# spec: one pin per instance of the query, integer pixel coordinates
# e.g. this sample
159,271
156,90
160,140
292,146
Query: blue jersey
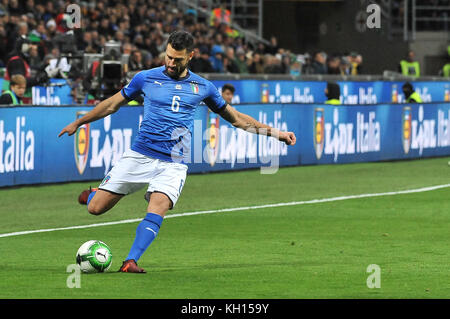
169,107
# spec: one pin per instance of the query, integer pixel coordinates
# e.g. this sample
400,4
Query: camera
104,72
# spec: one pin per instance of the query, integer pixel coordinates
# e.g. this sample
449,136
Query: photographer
18,63
411,96
56,66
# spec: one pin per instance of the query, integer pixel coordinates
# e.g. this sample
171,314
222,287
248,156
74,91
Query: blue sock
146,232
90,197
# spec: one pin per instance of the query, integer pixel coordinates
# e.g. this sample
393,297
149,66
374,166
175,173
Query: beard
176,71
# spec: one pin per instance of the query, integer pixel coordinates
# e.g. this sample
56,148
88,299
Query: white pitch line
224,210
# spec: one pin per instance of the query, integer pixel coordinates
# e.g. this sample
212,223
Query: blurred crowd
142,27
238,57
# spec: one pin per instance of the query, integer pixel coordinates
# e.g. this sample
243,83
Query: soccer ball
94,256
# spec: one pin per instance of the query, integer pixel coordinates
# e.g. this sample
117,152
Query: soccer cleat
83,197
131,266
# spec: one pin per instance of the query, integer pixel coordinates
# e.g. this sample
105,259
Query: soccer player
228,92
171,94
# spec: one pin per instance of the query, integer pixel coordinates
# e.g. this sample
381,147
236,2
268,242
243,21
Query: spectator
29,6
319,63
260,48
23,29
148,61
333,65
51,28
296,68
241,61
105,28
355,61
257,64
35,59
39,38
196,63
216,59
119,36
49,12
136,62
14,95
14,8
158,60
155,44
307,67
200,62
273,47
127,48
10,24
139,41
4,8
344,66
286,64
219,42
229,61
273,65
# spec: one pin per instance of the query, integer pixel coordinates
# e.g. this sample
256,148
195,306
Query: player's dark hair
180,40
228,87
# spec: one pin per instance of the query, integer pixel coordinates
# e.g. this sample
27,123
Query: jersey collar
188,74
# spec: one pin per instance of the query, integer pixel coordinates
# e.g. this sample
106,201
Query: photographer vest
15,100
410,68
414,98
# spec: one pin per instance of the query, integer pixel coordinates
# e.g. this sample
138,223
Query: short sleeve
213,99
134,89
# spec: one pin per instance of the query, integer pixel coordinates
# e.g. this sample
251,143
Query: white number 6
175,103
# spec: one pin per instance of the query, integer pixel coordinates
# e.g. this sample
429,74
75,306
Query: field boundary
234,209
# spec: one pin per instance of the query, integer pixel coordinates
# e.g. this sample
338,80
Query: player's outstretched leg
146,231
100,201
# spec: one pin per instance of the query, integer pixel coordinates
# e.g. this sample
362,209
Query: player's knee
95,209
159,203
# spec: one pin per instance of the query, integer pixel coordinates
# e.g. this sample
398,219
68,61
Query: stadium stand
141,25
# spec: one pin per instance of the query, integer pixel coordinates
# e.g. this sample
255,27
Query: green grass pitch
319,250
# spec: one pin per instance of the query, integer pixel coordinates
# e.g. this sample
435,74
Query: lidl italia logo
406,129
319,131
81,144
212,145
